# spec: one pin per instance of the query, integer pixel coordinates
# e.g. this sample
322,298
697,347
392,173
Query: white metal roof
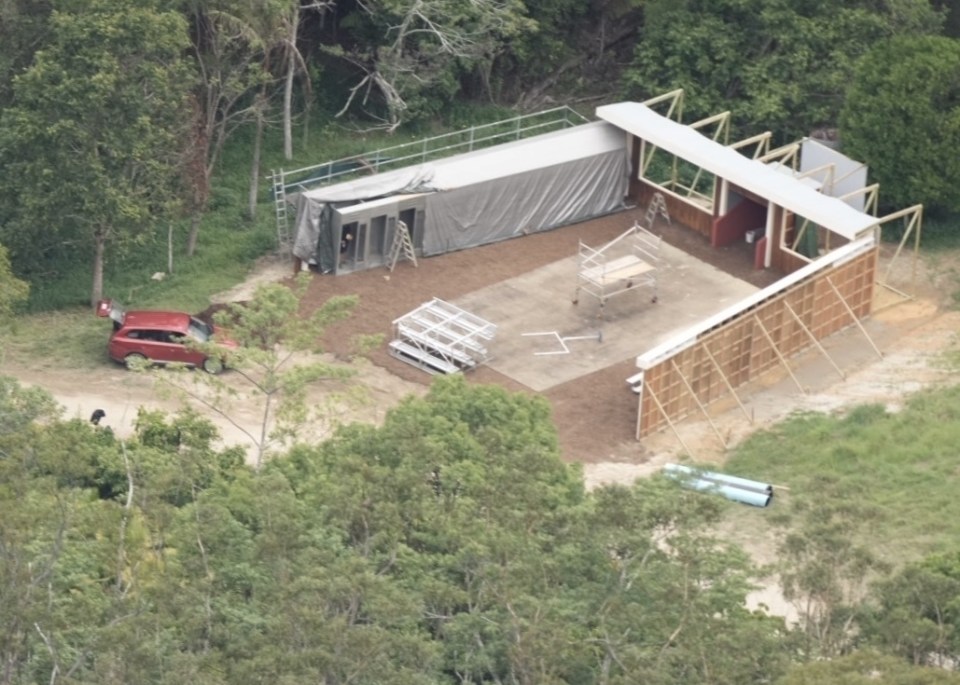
724,162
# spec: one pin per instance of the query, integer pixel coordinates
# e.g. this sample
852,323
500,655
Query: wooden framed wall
681,211
756,339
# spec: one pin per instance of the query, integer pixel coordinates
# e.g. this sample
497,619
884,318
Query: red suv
159,337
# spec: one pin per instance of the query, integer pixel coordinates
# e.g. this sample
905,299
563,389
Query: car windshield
199,331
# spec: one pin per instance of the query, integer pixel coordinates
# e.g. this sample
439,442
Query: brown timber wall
739,350
697,218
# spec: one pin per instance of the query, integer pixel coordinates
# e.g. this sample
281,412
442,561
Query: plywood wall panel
740,349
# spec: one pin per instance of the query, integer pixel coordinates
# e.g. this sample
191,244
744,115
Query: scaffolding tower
629,261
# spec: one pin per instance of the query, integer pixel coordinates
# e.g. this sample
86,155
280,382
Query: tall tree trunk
96,294
194,230
198,174
255,165
288,87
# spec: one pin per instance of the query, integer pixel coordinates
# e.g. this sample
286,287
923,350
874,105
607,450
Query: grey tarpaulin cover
313,205
492,194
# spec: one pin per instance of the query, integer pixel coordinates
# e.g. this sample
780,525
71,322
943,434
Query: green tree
522,576
773,65
866,668
410,55
824,570
61,551
670,607
573,47
275,359
293,61
459,498
902,118
90,151
917,612
12,290
23,27
231,48
87,524
450,545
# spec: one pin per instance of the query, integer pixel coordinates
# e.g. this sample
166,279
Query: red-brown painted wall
734,224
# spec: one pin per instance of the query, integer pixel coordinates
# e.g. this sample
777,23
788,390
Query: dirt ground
595,413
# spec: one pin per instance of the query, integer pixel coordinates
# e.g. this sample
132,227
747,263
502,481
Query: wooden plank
621,269
603,267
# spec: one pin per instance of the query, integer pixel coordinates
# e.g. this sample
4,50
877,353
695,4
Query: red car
159,337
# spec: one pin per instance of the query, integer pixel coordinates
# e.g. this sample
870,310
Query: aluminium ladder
401,243
657,206
284,239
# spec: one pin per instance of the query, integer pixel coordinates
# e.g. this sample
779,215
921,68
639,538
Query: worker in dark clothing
345,240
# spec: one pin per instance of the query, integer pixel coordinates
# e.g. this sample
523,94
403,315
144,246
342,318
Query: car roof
175,321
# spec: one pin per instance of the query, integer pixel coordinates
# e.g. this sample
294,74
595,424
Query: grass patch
226,249
901,467
70,338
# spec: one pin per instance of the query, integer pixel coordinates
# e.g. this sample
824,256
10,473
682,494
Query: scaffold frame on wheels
629,261
439,337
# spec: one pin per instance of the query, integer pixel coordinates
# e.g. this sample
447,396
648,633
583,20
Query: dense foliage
450,545
90,147
12,289
902,117
776,66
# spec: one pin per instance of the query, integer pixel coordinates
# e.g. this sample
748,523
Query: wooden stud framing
740,349
761,140
853,316
813,339
726,381
696,399
675,110
870,197
676,102
784,154
639,426
776,351
670,423
913,227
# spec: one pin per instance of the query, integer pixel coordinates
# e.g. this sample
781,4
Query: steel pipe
743,490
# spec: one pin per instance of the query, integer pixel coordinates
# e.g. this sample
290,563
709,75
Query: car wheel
135,361
212,365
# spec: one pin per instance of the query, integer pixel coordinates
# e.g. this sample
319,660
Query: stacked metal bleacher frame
439,337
